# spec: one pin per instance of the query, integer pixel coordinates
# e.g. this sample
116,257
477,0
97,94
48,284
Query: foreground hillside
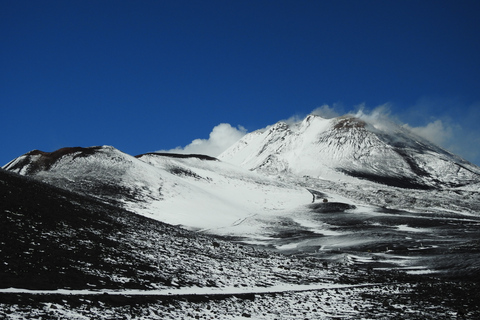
54,239
67,256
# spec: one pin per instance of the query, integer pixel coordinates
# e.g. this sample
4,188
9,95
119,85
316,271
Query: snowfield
219,187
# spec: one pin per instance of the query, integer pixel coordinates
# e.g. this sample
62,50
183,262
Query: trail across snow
193,290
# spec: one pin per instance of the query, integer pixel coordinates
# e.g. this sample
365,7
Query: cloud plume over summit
436,130
456,136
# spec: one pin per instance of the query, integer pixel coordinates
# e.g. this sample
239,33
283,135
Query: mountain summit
347,146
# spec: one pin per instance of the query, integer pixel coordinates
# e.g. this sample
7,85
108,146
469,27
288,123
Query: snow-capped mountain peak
378,151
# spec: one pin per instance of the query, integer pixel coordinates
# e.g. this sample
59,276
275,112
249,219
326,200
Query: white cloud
292,120
326,112
221,137
436,132
379,114
381,117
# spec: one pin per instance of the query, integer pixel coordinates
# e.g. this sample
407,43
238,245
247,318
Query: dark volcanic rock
330,207
37,160
179,155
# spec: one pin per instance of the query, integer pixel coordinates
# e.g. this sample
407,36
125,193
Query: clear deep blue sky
151,75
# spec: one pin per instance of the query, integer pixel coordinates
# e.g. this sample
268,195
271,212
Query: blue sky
155,75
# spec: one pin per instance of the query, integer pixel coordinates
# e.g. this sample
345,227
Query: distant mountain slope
346,146
103,172
191,190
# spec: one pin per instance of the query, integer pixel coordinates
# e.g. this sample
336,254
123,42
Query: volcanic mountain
268,173
346,146
333,204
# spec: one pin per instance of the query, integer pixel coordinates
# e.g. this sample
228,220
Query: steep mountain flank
332,148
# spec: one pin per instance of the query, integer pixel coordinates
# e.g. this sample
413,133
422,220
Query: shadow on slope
330,207
179,155
56,239
52,238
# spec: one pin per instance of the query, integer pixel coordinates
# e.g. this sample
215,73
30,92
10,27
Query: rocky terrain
111,263
53,239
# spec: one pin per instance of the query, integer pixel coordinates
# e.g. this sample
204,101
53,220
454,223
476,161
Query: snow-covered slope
315,160
346,147
195,191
